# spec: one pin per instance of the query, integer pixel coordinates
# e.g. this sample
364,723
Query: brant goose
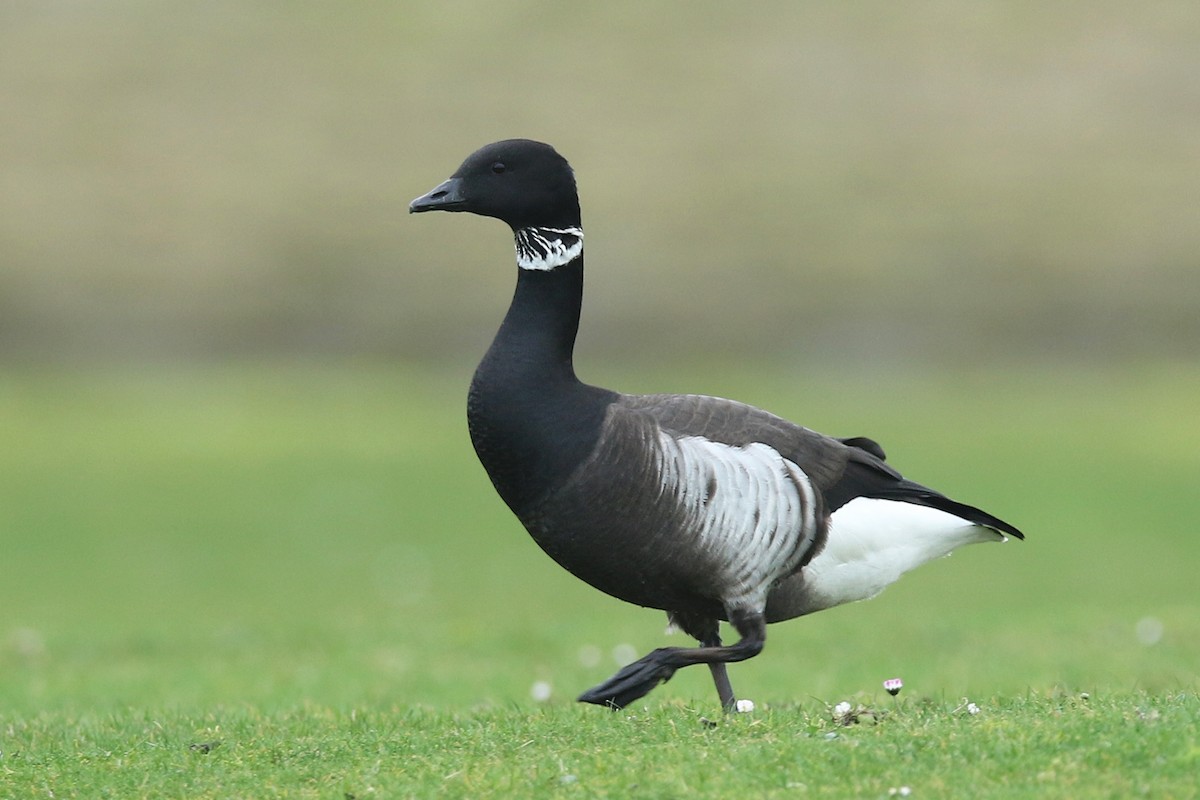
705,508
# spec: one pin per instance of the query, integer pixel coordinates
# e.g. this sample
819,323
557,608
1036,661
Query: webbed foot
634,680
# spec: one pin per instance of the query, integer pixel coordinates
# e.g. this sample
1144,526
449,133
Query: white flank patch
545,249
761,507
872,542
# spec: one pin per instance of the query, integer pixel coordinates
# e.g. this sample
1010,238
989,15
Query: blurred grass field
183,537
974,180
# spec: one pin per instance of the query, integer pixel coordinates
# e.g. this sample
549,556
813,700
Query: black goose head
524,183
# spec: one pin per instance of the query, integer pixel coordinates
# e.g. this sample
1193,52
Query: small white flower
902,791
744,706
1149,630
893,686
842,709
589,655
972,709
540,691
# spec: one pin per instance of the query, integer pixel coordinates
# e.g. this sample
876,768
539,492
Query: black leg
706,631
720,675
639,678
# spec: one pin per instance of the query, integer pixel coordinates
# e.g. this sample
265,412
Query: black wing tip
867,475
1000,526
1011,530
973,514
909,492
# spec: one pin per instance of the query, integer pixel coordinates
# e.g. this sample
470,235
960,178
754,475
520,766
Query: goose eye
498,167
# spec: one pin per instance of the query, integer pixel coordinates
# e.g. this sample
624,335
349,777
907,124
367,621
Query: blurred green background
928,180
233,462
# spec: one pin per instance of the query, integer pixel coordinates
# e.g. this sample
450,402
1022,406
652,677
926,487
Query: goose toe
632,682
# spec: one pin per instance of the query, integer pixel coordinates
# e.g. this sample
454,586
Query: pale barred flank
748,506
545,249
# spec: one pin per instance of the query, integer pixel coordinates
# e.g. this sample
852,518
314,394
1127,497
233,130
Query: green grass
296,582
1052,744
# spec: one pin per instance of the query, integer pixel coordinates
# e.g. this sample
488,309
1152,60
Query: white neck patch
545,249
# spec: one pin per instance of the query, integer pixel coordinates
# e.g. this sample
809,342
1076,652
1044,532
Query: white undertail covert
872,542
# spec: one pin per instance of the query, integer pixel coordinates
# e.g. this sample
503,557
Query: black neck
537,337
531,419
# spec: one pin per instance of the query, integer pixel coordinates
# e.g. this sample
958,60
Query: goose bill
446,196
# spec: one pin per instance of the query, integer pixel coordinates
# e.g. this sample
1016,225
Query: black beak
447,196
